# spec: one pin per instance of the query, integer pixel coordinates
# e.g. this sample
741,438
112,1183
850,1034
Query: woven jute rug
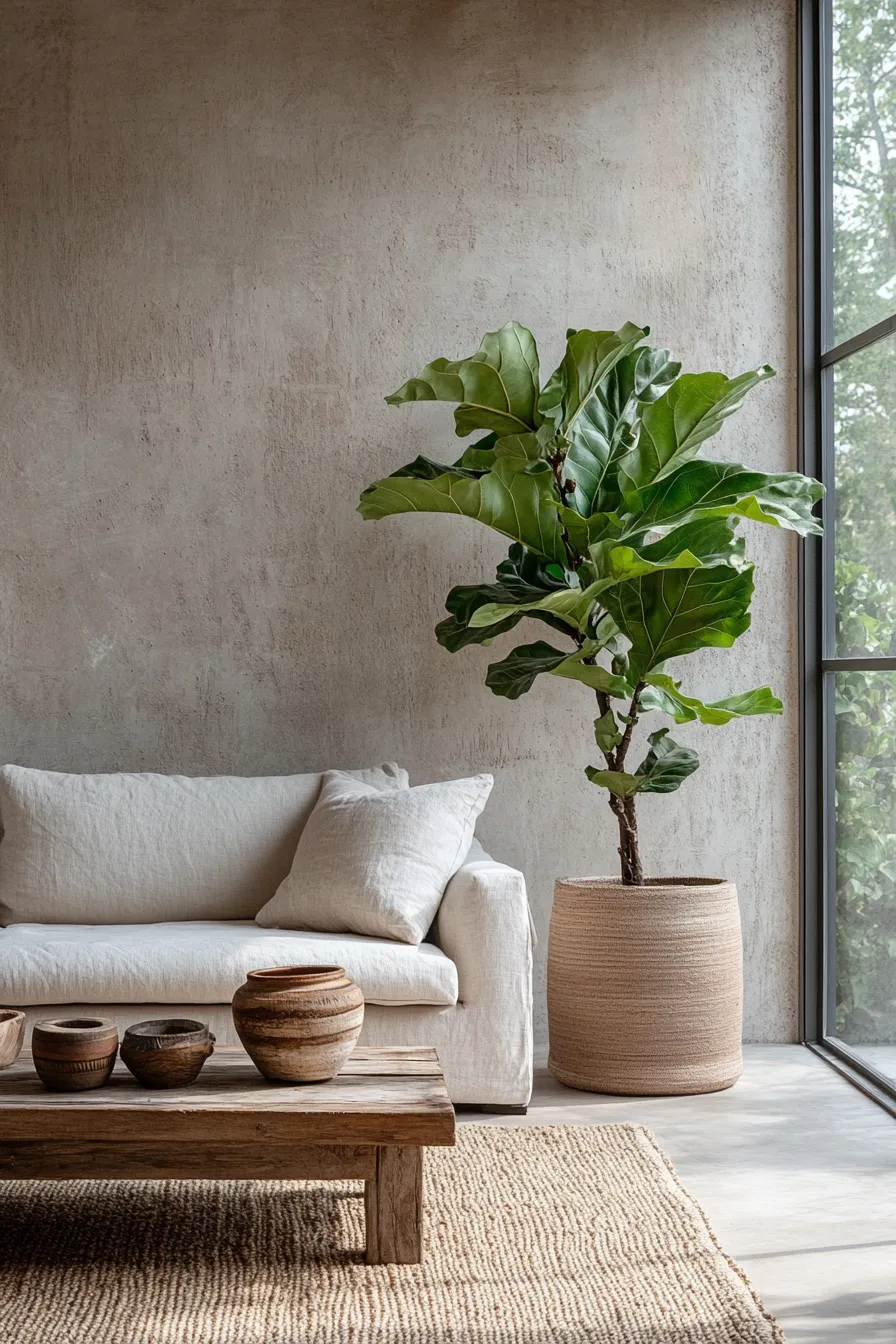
565,1235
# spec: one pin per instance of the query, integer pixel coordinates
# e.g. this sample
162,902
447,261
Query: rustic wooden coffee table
371,1123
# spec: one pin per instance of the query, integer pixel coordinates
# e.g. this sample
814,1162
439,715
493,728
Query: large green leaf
589,406
478,456
663,692
604,633
514,675
516,498
592,675
590,355
617,781
711,540
679,610
520,577
476,460
496,389
685,416
606,426
583,532
518,447
609,424
646,374
703,542
619,563
466,599
606,731
702,489
570,605
454,634
425,469
525,576
595,444
666,765
663,770
614,564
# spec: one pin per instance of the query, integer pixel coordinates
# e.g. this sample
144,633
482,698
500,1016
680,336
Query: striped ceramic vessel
74,1054
299,1024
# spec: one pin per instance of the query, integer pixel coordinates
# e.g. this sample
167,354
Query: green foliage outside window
864,273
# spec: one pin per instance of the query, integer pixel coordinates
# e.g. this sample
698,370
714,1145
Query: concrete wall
228,229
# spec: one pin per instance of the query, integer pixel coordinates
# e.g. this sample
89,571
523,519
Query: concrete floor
796,1170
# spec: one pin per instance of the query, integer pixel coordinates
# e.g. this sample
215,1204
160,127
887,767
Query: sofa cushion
143,848
377,863
202,962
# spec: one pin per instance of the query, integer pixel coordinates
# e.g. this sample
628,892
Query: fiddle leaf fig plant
623,540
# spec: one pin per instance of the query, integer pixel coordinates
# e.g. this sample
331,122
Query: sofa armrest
484,925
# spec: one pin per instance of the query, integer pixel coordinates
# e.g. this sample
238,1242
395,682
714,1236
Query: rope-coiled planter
645,985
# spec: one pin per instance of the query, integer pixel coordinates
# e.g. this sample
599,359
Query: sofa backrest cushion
144,849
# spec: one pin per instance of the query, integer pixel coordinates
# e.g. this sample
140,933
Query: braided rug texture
561,1235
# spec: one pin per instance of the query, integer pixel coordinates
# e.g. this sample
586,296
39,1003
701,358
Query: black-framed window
848,199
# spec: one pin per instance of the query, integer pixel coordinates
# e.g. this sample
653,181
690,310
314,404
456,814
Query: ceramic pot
74,1054
167,1052
299,1024
645,986
12,1034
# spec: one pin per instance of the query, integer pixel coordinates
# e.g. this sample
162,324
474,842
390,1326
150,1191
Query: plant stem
624,808
629,853
556,461
632,717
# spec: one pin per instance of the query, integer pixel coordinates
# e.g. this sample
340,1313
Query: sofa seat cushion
203,962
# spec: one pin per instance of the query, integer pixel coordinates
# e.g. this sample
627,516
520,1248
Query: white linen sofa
94,871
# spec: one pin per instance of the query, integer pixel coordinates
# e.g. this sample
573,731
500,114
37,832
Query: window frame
816,362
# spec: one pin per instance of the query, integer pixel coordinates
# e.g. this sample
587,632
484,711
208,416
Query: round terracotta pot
645,986
12,1034
299,1024
74,1054
167,1052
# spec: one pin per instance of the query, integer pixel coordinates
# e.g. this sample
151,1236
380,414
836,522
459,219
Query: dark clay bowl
168,1052
74,1054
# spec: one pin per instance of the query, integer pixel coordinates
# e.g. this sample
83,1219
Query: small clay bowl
74,1054
169,1052
12,1034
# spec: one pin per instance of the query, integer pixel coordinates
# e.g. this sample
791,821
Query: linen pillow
148,849
377,863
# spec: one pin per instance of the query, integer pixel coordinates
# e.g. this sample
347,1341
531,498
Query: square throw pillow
377,863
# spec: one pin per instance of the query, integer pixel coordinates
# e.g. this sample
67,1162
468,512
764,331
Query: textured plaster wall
228,229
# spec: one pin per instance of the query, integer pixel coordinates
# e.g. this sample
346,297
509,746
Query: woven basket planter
645,986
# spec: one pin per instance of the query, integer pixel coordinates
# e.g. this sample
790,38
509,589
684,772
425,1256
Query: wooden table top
384,1095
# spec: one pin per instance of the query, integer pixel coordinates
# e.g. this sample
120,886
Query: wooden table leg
393,1204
